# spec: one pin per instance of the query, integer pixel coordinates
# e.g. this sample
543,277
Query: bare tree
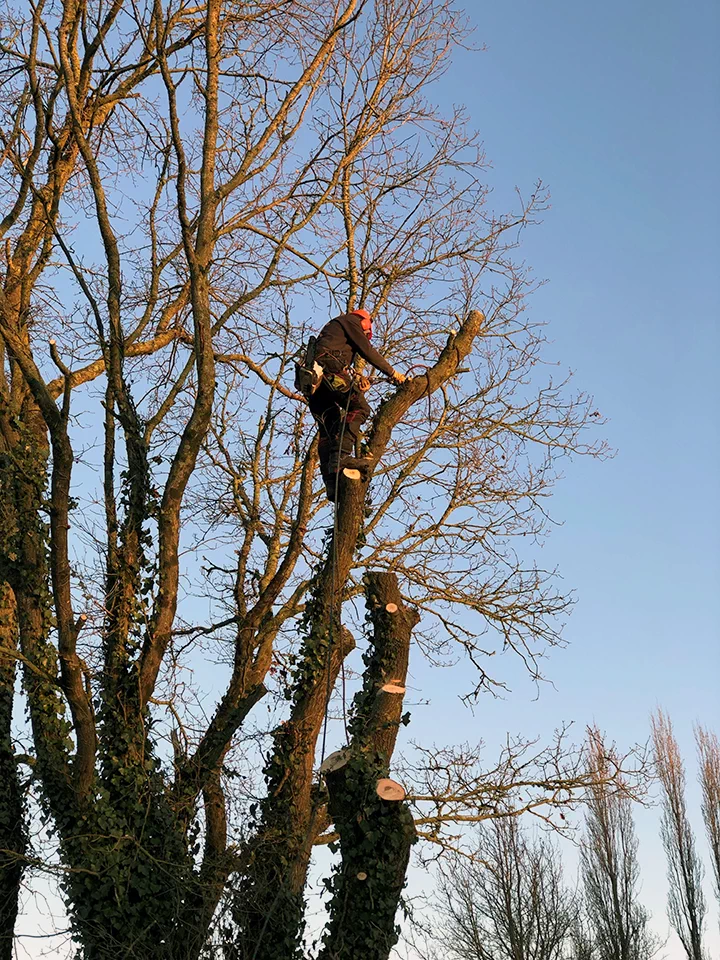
580,944
179,182
104,788
610,868
39,159
686,902
508,901
709,757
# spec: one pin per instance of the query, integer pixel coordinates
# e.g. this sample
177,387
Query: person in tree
340,393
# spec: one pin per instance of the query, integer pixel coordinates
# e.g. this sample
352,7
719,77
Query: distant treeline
509,900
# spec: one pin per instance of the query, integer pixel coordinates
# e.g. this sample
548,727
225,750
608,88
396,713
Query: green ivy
365,887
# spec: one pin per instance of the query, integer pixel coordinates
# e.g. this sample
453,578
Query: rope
335,598
328,691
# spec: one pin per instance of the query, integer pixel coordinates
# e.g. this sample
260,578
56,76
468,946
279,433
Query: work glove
398,377
363,383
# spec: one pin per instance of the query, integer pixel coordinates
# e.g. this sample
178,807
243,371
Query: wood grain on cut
388,789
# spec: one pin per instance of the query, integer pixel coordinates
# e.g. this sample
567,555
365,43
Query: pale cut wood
393,687
391,607
388,789
334,761
362,875
351,473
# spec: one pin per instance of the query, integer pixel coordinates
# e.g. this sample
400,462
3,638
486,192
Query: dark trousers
328,406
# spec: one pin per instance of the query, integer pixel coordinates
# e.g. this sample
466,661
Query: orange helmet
366,318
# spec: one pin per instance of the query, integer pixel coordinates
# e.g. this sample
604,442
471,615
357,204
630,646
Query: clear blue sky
615,107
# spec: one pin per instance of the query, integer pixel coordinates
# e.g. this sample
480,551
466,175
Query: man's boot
330,480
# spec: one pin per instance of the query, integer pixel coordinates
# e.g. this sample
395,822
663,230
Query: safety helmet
364,315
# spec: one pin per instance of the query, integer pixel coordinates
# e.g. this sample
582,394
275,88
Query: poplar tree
686,901
709,776
610,868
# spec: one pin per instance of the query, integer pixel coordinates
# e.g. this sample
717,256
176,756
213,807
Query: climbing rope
335,610
328,685
335,600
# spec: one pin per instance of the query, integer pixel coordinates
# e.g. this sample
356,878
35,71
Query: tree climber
339,395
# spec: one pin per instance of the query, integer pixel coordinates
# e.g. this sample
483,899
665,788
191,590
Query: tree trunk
12,830
125,847
375,840
269,907
377,709
375,834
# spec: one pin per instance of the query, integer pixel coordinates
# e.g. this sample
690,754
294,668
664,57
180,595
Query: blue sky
615,107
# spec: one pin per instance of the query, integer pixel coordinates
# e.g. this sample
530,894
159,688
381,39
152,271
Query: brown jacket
341,339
